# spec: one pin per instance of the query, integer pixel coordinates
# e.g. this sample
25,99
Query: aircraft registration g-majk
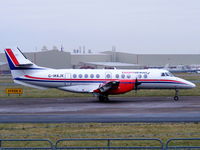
101,82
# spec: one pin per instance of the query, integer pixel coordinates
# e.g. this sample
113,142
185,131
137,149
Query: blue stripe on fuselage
87,81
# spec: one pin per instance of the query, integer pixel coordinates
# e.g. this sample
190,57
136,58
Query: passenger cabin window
86,75
74,75
139,76
145,76
123,76
80,75
97,75
91,76
117,76
108,76
128,76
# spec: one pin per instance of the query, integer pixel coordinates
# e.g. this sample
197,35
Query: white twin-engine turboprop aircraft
101,82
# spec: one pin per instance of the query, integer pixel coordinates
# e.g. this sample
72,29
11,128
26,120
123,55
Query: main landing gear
103,98
176,98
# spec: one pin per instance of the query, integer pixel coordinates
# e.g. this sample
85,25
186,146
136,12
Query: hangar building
60,59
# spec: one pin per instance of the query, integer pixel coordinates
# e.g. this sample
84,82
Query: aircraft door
68,76
108,75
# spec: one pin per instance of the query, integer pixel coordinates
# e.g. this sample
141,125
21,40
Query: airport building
59,59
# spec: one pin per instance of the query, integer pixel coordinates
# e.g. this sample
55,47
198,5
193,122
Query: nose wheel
176,98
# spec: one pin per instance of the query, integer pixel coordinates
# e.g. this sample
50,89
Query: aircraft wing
88,88
110,87
117,87
92,88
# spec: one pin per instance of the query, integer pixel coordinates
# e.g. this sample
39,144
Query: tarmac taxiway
88,109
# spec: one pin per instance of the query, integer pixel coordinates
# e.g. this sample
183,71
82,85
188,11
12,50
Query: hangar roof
88,53
111,64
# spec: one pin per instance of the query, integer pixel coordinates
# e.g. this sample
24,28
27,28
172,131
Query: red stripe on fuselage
161,80
58,79
12,57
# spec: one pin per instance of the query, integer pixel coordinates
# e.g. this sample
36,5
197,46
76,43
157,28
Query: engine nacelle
123,87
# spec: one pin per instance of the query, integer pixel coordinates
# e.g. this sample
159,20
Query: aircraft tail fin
18,63
16,59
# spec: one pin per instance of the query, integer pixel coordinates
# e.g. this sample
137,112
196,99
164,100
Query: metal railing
180,141
144,143
19,144
108,144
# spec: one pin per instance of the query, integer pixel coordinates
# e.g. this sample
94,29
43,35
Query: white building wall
161,60
157,59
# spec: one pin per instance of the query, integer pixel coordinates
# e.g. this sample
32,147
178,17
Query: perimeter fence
100,144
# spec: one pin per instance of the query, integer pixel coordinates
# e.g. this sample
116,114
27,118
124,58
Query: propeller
136,84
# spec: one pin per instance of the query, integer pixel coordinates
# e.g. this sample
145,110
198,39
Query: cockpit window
163,74
170,74
166,74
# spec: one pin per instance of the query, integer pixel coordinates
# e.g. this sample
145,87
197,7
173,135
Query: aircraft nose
188,84
192,85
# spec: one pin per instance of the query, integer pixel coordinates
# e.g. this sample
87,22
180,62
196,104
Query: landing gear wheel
176,98
103,98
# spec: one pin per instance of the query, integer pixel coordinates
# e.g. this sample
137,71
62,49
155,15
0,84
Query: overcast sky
137,26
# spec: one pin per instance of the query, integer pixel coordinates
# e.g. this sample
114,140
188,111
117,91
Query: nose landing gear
176,98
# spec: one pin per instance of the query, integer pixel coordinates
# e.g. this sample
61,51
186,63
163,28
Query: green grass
188,76
36,93
54,132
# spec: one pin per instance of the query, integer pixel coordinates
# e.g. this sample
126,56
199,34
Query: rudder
16,59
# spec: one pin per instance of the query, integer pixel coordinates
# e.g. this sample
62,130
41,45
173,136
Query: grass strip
54,132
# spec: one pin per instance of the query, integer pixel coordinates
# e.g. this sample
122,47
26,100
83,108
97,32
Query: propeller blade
136,84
